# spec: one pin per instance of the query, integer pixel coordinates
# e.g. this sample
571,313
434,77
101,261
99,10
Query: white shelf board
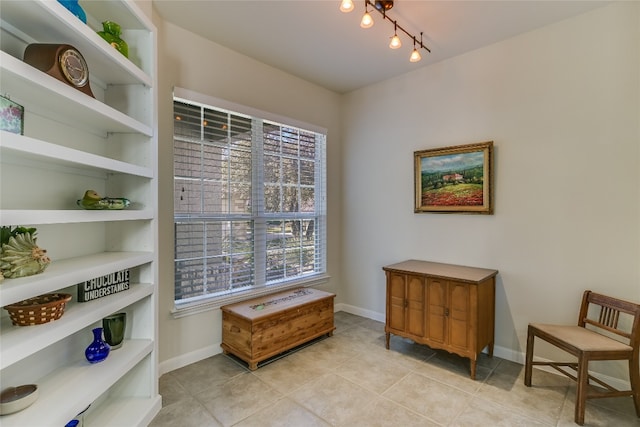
67,272
25,147
49,22
67,391
128,411
35,217
60,101
19,342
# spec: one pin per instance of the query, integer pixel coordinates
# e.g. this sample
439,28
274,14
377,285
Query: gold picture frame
456,179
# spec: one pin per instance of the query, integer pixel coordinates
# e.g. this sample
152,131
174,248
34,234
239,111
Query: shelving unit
67,386
73,143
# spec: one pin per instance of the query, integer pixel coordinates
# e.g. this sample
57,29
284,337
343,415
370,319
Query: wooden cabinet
71,143
444,306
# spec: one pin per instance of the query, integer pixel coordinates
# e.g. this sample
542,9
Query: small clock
62,61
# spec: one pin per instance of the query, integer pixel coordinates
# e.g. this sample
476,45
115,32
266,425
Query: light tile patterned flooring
351,379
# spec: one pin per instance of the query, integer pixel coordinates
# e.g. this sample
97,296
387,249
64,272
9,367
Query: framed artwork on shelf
456,179
11,116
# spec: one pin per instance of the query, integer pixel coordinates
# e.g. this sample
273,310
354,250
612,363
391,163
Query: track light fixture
346,6
415,55
382,7
395,40
367,20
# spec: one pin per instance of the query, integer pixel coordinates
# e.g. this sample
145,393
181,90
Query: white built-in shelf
19,342
71,138
77,384
120,412
48,21
66,272
34,217
13,146
45,93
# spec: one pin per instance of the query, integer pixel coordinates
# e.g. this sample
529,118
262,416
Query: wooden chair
593,339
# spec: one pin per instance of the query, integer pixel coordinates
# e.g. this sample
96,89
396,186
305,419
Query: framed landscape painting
454,179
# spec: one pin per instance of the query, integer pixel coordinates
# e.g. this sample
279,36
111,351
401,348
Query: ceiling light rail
382,7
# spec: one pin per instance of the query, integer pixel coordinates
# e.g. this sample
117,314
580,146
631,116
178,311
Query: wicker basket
38,310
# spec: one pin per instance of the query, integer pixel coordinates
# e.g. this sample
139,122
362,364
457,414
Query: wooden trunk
260,328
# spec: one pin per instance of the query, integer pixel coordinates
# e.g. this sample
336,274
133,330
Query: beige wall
561,105
191,62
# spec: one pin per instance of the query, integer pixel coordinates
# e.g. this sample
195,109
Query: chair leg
528,366
634,377
581,389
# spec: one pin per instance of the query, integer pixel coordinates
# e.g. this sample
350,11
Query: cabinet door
396,301
415,305
436,317
459,325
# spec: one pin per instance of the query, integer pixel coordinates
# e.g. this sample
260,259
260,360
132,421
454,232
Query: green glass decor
93,201
114,327
111,33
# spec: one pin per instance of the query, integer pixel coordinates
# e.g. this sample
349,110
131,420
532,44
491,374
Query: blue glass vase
73,7
98,350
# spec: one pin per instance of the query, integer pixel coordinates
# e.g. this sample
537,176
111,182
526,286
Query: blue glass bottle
73,7
98,350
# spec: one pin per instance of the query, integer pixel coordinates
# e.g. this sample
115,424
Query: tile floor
351,379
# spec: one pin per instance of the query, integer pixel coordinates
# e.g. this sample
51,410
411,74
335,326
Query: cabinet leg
473,369
490,349
387,336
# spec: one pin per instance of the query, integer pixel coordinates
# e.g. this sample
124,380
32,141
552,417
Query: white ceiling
313,40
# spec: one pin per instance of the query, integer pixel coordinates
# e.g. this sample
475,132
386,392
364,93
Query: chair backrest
608,317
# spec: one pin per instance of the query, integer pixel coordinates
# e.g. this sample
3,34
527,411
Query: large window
249,203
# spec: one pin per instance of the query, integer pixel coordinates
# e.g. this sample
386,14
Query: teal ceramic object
73,7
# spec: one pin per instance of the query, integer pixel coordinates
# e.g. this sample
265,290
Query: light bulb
367,21
346,6
415,56
395,42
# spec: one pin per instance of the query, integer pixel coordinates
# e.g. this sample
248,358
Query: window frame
205,303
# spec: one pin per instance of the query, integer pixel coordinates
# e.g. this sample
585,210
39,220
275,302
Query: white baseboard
187,359
508,354
369,314
501,352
